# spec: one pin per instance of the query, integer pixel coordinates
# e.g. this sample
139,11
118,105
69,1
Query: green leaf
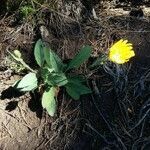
81,88
27,83
47,56
100,61
76,89
52,78
39,53
71,90
27,10
81,57
76,78
57,79
48,101
45,72
53,60
84,89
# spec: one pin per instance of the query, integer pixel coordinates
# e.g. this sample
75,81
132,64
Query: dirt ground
114,117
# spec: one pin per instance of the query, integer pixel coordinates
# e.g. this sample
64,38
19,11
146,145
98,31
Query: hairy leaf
76,78
48,101
72,91
39,53
57,79
81,57
53,60
27,83
75,89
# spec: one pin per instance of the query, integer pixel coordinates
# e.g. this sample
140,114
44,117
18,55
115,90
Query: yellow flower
121,52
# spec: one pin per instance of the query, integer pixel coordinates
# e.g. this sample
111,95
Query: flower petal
121,52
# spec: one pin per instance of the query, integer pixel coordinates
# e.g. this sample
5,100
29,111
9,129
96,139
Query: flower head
17,53
121,52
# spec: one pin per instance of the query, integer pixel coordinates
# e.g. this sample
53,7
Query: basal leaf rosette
121,52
